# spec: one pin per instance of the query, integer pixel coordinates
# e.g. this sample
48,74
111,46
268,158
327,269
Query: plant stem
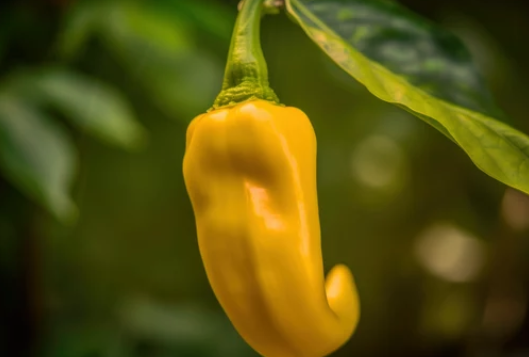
246,75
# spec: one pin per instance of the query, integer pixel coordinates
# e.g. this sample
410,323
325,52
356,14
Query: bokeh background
440,251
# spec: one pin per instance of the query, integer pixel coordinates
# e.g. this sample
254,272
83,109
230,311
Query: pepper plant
399,57
250,163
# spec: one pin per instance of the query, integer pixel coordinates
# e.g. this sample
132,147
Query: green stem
246,75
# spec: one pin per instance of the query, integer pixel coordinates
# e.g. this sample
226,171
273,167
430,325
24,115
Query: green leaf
81,22
408,61
155,49
150,31
209,16
37,156
122,21
154,43
91,105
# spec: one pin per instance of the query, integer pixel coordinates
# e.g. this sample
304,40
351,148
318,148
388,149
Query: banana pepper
250,172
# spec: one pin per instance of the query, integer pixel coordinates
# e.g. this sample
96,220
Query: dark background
439,250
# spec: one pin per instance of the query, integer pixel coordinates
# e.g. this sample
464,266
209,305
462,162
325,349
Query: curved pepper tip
342,296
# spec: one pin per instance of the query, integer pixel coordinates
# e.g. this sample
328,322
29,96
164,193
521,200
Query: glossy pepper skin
250,171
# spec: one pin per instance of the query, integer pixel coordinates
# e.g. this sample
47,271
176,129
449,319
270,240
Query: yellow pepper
250,171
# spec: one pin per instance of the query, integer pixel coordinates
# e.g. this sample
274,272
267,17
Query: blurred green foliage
96,96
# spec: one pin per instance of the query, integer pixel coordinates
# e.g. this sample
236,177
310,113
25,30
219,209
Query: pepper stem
246,74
